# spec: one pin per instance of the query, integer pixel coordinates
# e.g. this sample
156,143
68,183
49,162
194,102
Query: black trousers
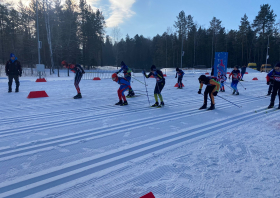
276,88
207,91
11,77
180,82
159,86
270,87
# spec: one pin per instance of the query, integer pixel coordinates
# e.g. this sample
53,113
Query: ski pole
139,81
230,101
242,85
228,86
147,90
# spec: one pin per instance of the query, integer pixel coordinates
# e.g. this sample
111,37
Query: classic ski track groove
74,138
38,126
67,112
59,113
58,123
63,102
41,181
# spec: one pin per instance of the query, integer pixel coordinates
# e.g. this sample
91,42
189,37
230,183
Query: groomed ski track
138,117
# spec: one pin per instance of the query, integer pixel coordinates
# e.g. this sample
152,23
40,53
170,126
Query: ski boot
271,105
204,106
124,103
78,96
10,90
155,105
212,107
161,103
233,92
237,93
279,106
130,94
268,94
17,90
119,103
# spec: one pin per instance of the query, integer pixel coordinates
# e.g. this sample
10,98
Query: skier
212,88
127,74
221,79
235,79
79,74
124,85
180,74
160,82
13,71
270,82
243,71
275,76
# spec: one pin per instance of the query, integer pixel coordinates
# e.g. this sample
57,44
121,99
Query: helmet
277,64
177,69
64,63
153,68
115,77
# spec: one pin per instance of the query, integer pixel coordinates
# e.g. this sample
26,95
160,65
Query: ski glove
143,72
199,92
267,83
215,93
117,72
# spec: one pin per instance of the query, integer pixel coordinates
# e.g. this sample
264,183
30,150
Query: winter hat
236,66
277,64
177,69
153,68
114,75
203,78
12,55
64,63
122,63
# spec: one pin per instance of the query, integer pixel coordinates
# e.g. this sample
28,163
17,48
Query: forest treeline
77,34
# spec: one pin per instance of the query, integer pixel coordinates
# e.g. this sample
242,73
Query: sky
152,17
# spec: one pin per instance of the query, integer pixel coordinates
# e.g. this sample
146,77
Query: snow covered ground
90,148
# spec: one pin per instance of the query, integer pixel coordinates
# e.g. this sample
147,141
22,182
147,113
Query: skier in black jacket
13,71
212,88
79,71
160,82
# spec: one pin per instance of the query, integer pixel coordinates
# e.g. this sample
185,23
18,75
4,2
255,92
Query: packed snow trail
60,147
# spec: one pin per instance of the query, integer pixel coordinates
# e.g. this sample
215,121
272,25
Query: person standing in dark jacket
243,71
13,71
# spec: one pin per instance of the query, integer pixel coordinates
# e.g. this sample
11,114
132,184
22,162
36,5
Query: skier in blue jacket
180,74
127,75
124,85
274,75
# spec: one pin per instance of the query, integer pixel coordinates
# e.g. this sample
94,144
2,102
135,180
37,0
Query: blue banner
220,64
